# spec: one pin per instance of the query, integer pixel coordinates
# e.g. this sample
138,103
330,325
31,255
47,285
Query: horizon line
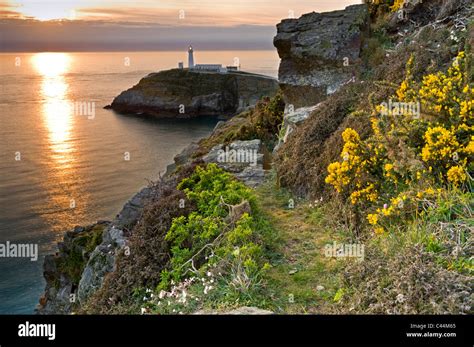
131,50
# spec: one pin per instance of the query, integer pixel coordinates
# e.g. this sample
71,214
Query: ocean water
59,169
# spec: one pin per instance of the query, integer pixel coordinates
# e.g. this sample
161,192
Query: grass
423,266
302,279
410,269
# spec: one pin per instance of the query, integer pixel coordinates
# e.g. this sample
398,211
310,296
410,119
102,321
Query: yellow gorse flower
456,175
373,219
440,144
401,153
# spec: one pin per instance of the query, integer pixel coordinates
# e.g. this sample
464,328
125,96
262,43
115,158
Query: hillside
348,194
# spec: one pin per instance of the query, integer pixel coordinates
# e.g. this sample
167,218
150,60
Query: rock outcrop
319,52
183,94
291,119
414,14
101,262
85,256
63,270
244,159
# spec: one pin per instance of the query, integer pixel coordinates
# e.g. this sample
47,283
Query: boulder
319,53
244,159
291,119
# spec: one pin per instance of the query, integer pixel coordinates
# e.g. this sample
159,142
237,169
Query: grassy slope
301,268
409,272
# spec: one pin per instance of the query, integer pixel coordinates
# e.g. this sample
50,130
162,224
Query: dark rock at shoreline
85,256
184,94
63,270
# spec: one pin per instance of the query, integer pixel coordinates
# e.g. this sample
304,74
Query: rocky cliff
313,49
85,256
183,94
319,53
88,254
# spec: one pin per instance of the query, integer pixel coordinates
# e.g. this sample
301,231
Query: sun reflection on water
57,112
57,109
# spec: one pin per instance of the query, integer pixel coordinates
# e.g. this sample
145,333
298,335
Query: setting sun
51,64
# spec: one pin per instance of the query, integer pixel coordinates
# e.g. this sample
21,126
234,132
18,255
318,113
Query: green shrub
212,235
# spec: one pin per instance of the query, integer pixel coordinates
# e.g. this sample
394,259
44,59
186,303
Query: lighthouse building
205,67
190,57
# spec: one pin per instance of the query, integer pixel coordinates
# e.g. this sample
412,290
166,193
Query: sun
48,10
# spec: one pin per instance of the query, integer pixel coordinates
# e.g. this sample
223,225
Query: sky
114,25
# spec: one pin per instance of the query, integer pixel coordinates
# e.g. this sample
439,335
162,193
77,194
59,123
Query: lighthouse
190,57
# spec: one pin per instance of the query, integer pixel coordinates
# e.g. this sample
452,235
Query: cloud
8,10
181,16
149,24
196,12
32,35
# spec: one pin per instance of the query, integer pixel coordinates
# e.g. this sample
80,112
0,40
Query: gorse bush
392,5
265,119
222,233
411,156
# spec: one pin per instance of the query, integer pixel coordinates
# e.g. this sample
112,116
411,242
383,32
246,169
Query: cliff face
184,94
430,32
319,52
85,256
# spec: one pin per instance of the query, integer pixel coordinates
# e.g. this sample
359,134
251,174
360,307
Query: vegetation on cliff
212,253
410,156
399,183
262,122
368,207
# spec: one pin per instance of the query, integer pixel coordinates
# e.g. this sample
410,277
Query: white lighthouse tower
190,57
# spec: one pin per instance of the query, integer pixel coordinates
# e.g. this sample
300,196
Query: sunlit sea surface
52,159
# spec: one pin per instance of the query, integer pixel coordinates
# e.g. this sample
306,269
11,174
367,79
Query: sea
60,168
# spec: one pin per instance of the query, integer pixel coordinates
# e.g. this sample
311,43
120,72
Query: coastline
135,262
99,243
